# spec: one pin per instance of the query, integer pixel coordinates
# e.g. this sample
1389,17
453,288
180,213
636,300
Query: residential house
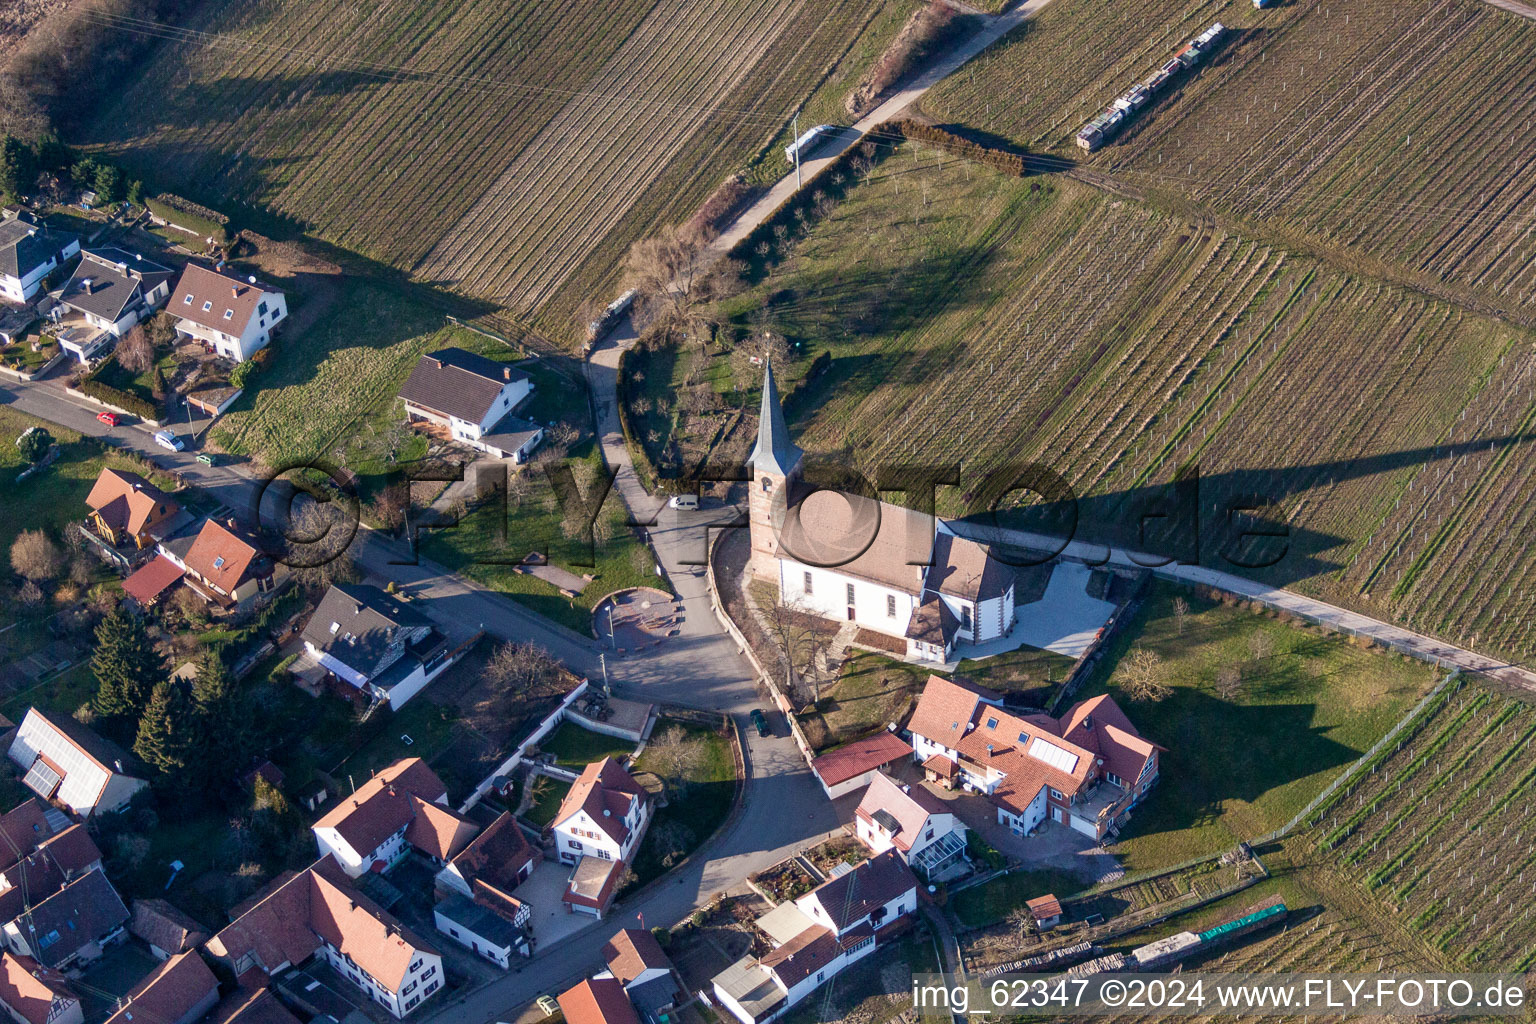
234,316
250,1006
125,510
111,291
44,869
494,863
817,936
403,807
33,994
29,252
318,913
1086,769
164,928
636,960
223,564
603,815
72,924
65,761
484,929
592,885
180,991
371,641
597,1001
853,765
22,829
473,398
889,569
916,824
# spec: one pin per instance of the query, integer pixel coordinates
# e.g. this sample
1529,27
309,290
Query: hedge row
959,145
186,214
122,399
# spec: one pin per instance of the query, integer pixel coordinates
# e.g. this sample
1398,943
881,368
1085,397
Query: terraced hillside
502,149
1395,134
1120,346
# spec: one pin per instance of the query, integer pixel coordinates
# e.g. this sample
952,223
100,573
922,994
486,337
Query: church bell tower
775,462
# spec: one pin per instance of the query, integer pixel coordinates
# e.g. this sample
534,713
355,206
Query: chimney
506,373
234,291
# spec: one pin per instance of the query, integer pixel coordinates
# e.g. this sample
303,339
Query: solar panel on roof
42,779
1061,760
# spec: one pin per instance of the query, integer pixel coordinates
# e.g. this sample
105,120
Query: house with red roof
33,994
231,315
597,1001
402,808
817,936
912,821
603,815
180,991
855,764
1085,770
224,564
318,913
127,511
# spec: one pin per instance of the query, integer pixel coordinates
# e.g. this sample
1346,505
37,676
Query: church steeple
775,452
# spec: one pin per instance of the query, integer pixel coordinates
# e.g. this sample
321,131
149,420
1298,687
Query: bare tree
35,556
1229,682
793,628
516,670
136,352
1143,675
1180,611
318,541
667,268
1261,646
675,758
1021,921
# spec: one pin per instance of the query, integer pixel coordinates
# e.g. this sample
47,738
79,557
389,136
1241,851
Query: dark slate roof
511,433
454,382
367,622
775,452
874,883
82,912
26,245
118,278
481,920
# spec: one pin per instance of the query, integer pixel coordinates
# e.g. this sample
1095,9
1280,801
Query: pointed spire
775,452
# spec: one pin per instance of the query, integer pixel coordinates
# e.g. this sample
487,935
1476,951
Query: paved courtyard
551,921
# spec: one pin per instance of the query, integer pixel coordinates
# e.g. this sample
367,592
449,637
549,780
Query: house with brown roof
180,991
636,960
916,824
402,808
817,936
1085,770
495,862
33,994
65,761
125,510
855,764
603,815
472,399
164,928
891,570
224,564
22,829
597,1001
250,1006
228,314
318,913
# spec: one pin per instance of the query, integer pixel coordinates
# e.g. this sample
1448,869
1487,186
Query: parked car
109,418
686,502
548,1005
761,721
208,459
166,439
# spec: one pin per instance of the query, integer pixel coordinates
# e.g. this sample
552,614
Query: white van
166,439
686,502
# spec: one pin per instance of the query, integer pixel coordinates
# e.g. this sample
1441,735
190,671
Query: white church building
847,557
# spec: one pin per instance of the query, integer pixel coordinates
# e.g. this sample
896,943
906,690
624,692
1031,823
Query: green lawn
990,902
544,807
871,691
1309,703
575,747
430,727
1028,674
691,817
61,694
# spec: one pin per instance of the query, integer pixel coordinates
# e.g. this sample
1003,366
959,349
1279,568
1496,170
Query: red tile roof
225,292
944,767
22,829
854,759
603,786
631,952
152,579
223,557
382,806
494,858
945,710
803,955
597,1001
1043,907
437,831
165,926
910,808
126,501
29,989
170,992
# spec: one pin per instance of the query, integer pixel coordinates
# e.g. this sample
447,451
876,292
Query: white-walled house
1085,770
33,994
402,808
603,815
318,913
65,761
29,252
817,936
235,316
113,289
475,399
847,557
912,821
485,930
376,643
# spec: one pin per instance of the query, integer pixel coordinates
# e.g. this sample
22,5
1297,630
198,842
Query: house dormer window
188,299
207,306
991,723
229,314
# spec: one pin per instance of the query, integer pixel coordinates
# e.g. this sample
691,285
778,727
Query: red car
110,419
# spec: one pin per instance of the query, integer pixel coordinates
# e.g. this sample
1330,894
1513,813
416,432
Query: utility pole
796,130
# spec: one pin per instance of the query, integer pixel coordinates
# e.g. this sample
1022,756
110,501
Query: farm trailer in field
1104,127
